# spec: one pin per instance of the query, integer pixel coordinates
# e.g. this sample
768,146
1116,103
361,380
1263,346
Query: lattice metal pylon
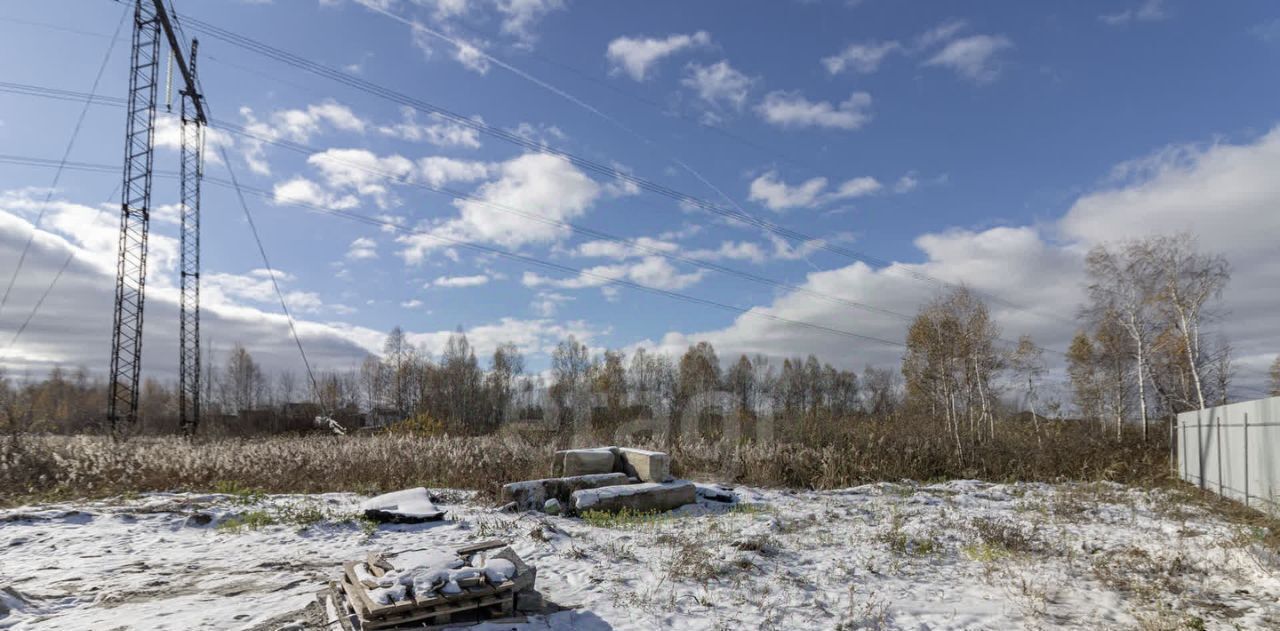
135,216
189,316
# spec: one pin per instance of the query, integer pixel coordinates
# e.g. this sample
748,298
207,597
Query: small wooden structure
351,607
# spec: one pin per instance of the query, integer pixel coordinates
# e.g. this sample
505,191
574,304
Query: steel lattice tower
135,211
189,317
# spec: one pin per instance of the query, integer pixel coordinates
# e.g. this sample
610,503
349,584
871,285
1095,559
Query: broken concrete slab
410,506
645,497
533,494
647,466
575,462
717,493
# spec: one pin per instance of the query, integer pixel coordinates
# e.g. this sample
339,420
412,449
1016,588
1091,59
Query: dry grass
832,456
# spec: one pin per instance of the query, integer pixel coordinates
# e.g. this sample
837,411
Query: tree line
1142,353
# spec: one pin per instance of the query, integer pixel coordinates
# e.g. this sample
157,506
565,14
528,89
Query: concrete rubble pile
606,479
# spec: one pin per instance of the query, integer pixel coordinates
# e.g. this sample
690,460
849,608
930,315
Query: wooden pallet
497,600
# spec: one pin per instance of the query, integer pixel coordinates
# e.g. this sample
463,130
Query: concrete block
648,466
529,601
645,497
526,574
575,462
533,494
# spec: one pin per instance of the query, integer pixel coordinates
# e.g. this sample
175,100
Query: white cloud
168,135
471,55
777,195
70,330
637,55
256,286
785,250
362,248
445,9
906,183
733,251
441,133
973,57
547,303
362,171
650,271
538,336
520,16
411,304
856,187
460,281
535,183
642,246
861,58
790,109
297,125
943,32
1148,11
439,171
1225,194
300,190
719,84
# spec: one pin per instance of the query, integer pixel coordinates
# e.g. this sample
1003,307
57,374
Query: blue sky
985,143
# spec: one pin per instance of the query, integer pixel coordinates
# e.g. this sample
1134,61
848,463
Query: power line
529,260
588,231
253,227
604,278
53,282
66,154
733,215
54,93
598,234
632,243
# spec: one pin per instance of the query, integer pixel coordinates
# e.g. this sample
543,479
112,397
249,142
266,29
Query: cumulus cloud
300,190
636,56
779,196
439,171
440,132
361,171
168,135
460,281
793,110
650,271
860,58
732,251
642,246
534,183
943,32
718,84
1148,11
72,330
362,248
1226,194
520,16
975,58
297,125
547,303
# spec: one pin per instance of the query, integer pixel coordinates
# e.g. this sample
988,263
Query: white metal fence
1234,450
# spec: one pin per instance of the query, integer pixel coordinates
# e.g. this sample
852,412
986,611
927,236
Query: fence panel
1234,450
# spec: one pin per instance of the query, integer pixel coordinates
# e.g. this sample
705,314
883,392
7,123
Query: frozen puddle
958,555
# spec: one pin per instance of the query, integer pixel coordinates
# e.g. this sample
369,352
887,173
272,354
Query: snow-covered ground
958,555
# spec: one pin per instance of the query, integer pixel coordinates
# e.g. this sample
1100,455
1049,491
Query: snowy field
957,555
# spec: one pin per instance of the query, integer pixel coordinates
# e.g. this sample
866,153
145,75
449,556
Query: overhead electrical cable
416,104
66,155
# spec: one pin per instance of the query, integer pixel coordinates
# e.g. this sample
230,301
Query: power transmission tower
149,19
189,317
